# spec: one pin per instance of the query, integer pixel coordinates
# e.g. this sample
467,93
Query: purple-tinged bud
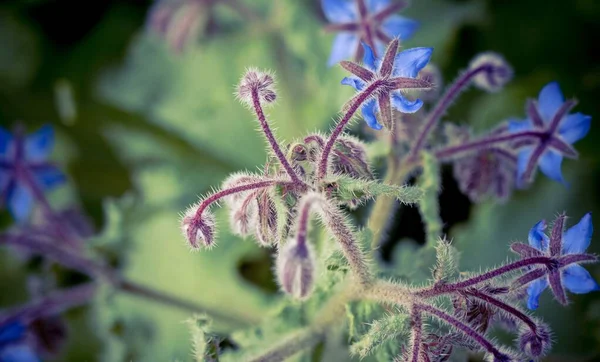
298,152
350,158
494,74
296,269
267,226
535,344
256,82
198,231
244,216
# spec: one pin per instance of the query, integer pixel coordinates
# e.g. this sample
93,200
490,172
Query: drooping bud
244,216
198,231
256,82
535,343
350,158
296,269
494,74
267,226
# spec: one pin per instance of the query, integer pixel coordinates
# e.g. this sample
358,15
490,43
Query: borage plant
345,293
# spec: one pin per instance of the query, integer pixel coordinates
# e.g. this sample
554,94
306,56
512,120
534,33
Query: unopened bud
495,71
198,231
243,217
535,343
350,158
267,228
256,83
296,269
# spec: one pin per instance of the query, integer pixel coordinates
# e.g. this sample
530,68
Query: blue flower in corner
573,243
553,131
25,170
399,73
13,346
372,22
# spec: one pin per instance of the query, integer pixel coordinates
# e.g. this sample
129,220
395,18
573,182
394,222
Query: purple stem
465,329
483,143
452,287
358,101
417,330
50,305
274,145
507,308
442,106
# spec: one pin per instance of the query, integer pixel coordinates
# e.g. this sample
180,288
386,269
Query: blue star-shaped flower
13,346
25,170
555,130
372,22
560,245
398,71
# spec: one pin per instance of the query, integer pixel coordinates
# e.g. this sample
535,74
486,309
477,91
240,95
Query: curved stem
230,191
271,138
465,329
442,106
505,307
445,153
439,289
354,105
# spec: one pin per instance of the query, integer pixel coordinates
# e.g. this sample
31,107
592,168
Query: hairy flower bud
495,73
296,269
256,82
267,227
198,231
350,158
535,343
243,216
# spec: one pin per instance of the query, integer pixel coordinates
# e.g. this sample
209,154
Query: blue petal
534,291
369,59
537,238
368,112
399,26
578,280
18,353
550,165
38,145
574,127
344,46
404,105
518,126
11,332
20,202
353,82
550,100
49,176
522,161
5,140
339,11
377,5
409,62
577,238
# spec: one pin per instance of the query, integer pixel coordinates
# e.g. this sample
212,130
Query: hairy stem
271,138
505,307
442,106
417,334
356,103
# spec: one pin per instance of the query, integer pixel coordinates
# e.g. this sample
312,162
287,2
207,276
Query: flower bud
350,158
256,82
243,217
535,344
296,269
198,231
495,73
267,228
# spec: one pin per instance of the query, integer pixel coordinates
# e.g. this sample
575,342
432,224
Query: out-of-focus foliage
155,128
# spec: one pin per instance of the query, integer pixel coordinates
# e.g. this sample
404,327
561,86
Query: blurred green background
151,129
